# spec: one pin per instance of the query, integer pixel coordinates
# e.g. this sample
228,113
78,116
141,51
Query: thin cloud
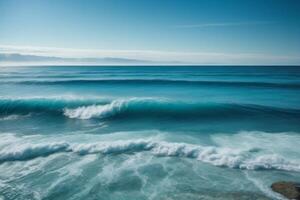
152,56
226,24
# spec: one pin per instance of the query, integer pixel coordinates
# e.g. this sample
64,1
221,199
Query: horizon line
153,56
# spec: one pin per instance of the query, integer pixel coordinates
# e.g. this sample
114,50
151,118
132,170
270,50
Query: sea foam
218,156
117,107
87,112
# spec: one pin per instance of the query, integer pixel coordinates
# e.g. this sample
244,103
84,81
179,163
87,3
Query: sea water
148,132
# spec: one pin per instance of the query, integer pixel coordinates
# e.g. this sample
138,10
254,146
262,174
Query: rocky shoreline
289,190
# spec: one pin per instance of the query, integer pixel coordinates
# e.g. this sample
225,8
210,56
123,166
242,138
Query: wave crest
81,108
29,151
116,107
218,156
156,107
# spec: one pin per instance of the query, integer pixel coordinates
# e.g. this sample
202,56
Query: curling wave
137,108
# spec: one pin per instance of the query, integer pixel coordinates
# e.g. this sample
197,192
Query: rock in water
288,189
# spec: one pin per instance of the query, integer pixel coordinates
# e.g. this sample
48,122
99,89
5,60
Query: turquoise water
148,132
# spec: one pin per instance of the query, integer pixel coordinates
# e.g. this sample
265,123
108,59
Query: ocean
148,132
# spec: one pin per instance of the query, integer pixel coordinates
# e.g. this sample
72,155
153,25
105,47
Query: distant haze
194,32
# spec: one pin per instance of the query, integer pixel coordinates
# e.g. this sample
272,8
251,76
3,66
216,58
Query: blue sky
199,31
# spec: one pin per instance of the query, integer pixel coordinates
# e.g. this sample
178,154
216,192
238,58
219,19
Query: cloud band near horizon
155,56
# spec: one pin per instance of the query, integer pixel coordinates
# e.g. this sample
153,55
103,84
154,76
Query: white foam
9,117
218,156
28,151
87,112
13,117
264,187
116,147
107,110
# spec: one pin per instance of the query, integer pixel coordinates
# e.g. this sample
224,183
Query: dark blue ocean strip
158,82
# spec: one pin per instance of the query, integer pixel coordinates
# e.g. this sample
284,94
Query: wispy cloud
152,56
223,24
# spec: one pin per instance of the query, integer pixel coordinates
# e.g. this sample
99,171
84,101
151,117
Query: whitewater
150,132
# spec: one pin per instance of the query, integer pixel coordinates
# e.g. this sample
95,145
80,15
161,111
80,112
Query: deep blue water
215,132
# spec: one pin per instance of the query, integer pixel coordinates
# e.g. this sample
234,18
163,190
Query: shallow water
148,132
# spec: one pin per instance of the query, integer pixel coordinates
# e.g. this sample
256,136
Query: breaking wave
137,108
250,159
